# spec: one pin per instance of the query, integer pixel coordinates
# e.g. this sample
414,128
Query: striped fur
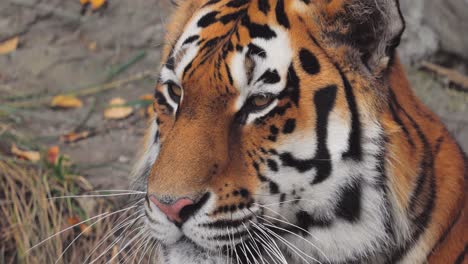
342,165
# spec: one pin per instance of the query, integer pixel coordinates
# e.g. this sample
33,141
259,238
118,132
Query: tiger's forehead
240,42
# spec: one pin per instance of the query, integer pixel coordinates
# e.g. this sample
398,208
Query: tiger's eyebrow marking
269,77
190,39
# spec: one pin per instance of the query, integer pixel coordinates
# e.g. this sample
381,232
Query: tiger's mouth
234,235
187,251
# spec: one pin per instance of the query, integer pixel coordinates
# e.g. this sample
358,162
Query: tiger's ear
372,28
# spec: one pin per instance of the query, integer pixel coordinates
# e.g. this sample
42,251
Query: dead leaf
117,109
33,156
52,154
96,4
147,97
150,110
75,136
73,220
9,46
85,230
92,46
66,102
118,112
117,101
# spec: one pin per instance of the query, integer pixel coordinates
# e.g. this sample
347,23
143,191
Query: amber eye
261,101
175,92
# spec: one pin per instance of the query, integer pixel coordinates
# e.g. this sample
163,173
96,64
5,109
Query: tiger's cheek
235,190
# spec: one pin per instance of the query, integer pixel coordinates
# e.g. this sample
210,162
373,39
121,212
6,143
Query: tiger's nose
180,210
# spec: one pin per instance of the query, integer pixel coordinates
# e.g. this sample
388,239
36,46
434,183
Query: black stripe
229,237
258,30
272,165
426,176
256,50
447,231
269,77
462,255
305,221
292,89
439,142
354,143
281,16
382,184
289,126
324,100
190,39
211,2
228,71
349,204
264,6
161,100
222,224
309,62
237,3
207,19
232,16
402,125
187,68
170,63
274,188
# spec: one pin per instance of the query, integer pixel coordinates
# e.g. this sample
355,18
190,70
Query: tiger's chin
185,251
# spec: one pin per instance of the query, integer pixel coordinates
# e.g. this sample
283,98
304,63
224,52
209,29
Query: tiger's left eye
261,101
175,92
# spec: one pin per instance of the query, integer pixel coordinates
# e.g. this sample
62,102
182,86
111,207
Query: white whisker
137,236
119,238
276,249
292,233
294,248
70,227
122,224
81,233
89,196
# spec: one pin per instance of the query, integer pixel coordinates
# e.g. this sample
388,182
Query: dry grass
28,216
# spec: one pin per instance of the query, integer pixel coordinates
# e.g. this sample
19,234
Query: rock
449,20
434,25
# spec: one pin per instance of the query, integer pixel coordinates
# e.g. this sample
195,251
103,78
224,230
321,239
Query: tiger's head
266,134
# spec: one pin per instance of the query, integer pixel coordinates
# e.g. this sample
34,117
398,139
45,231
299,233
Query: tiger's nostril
172,210
180,210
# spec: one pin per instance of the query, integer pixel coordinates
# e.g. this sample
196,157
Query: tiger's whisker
134,249
270,250
117,239
117,190
89,196
277,250
154,248
118,224
70,227
137,236
122,224
255,244
294,248
81,233
148,245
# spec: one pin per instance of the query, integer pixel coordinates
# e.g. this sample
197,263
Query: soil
61,51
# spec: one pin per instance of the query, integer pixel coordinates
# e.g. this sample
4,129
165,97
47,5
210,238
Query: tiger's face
263,132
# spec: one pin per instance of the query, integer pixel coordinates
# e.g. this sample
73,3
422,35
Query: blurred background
76,80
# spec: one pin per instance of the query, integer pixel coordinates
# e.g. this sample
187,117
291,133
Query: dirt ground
61,51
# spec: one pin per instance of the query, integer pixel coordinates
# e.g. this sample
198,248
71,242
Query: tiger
286,131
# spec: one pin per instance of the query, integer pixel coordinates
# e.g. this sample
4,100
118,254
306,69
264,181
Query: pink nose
172,211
